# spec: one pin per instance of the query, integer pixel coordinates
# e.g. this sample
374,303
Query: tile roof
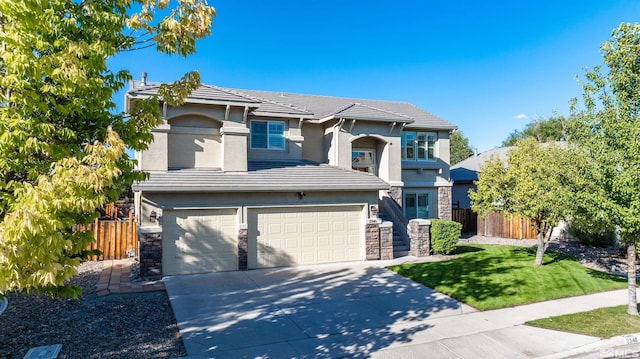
271,176
309,106
467,170
204,92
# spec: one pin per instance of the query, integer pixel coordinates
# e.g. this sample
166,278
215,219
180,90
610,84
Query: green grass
603,322
491,277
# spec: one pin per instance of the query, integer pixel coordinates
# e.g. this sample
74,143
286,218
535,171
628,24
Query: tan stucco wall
194,149
155,157
339,144
192,136
234,148
313,147
216,112
157,201
420,177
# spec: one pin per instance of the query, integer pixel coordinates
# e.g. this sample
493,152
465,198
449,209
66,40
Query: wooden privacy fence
494,225
117,239
498,225
466,217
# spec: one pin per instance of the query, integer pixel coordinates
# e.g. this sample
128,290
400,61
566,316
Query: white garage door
199,241
306,235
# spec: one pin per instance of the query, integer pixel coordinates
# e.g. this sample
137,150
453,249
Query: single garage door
288,236
199,241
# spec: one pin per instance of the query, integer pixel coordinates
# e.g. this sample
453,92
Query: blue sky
489,67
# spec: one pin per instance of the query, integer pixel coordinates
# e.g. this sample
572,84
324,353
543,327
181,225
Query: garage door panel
310,228
198,241
306,235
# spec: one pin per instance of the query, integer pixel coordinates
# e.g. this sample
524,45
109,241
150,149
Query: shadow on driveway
321,311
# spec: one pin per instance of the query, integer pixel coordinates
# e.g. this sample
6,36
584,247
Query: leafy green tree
537,181
459,146
608,130
549,130
61,141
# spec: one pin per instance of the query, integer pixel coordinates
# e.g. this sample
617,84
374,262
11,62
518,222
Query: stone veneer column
396,194
444,203
243,247
150,249
386,240
420,237
372,239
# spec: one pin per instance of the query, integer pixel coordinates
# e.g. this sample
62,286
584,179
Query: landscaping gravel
114,326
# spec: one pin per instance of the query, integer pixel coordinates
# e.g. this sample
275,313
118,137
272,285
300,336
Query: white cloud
521,116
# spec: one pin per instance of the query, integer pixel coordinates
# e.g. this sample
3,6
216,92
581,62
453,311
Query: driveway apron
338,310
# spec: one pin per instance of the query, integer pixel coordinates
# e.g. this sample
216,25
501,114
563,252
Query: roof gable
314,107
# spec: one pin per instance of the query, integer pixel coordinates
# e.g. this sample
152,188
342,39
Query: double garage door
199,241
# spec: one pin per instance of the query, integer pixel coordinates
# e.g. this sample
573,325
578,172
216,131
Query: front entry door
416,205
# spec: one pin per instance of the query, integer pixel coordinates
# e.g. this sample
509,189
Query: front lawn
603,322
492,276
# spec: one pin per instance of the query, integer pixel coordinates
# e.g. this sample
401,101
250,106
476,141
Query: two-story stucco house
243,179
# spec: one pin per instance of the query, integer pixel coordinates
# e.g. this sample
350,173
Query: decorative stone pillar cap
149,229
386,224
374,221
244,226
421,222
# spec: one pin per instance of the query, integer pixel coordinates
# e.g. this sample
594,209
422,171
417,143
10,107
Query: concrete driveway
353,309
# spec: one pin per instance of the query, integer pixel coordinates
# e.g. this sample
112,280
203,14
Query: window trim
416,148
267,141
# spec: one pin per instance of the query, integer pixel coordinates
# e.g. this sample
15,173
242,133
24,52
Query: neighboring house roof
313,107
467,170
263,176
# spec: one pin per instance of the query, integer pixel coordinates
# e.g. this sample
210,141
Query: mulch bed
113,326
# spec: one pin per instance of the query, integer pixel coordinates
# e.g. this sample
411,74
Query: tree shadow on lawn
468,280
461,249
551,257
506,276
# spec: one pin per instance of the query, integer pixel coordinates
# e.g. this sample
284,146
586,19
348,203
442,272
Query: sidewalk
115,279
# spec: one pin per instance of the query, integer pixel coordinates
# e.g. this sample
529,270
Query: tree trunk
540,250
631,278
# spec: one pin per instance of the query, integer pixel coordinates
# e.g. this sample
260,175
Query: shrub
596,237
444,235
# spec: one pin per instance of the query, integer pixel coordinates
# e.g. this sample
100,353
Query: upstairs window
267,135
419,146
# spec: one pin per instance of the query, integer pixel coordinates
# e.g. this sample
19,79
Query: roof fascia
372,119
199,101
278,114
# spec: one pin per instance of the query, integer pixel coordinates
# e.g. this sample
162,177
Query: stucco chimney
144,79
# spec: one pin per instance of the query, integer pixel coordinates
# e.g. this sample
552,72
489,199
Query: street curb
619,341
